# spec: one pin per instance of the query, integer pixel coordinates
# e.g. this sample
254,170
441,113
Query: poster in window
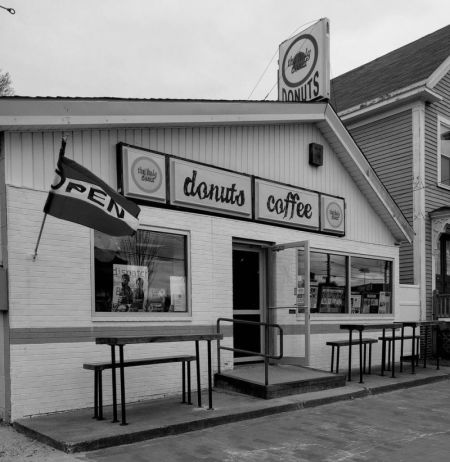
313,294
371,303
130,285
355,303
385,303
331,299
156,301
178,293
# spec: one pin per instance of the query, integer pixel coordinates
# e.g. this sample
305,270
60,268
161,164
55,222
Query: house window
343,284
444,147
145,273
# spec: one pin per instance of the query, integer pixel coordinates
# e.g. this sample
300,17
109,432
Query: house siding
387,144
435,196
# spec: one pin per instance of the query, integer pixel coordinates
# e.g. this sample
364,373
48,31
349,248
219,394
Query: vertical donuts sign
304,65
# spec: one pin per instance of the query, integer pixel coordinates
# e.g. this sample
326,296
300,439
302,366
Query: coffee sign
304,65
144,174
284,204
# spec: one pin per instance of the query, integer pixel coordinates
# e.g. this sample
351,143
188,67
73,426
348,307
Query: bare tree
6,88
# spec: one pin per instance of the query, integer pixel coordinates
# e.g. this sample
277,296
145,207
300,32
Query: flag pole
39,237
62,150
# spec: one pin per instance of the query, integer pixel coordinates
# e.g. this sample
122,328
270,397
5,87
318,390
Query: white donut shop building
245,209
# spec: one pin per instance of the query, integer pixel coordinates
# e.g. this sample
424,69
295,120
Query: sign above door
172,182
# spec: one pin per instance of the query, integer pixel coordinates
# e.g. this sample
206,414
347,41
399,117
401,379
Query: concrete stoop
77,431
284,381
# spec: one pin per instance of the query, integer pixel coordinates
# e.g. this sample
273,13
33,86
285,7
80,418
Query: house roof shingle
398,69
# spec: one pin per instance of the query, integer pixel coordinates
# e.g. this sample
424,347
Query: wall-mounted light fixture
315,154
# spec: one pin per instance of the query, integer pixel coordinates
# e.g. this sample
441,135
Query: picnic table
363,327
120,342
429,328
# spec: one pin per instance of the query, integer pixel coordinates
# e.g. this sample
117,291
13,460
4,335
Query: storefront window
328,283
366,290
371,286
143,273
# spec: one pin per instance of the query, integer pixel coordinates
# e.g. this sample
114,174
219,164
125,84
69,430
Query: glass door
248,300
290,298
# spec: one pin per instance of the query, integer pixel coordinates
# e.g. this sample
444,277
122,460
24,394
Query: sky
196,49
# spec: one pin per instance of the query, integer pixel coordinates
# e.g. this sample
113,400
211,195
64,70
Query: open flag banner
79,196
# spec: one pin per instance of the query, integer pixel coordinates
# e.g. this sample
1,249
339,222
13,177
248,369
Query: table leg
95,394
100,395
122,386
383,352
413,359
113,377
360,357
337,359
209,375
349,378
332,358
402,348
189,382
199,388
183,381
393,353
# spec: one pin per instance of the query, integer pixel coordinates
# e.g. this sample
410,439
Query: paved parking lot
407,425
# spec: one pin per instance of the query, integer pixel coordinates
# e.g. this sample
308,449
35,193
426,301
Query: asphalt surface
407,425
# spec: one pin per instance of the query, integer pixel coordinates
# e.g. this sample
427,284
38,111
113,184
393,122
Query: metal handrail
264,355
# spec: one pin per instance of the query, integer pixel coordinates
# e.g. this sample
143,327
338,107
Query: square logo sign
144,174
333,215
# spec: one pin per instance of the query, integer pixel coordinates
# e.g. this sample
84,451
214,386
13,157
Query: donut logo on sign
146,174
299,60
334,214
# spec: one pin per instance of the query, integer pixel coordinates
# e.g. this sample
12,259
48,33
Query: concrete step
284,380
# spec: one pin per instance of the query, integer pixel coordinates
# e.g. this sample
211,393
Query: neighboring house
397,108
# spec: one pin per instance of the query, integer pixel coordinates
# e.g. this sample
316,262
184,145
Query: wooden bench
99,367
342,343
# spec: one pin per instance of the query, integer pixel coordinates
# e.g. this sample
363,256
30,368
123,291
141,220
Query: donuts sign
304,60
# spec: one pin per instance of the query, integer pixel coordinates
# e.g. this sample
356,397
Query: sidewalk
76,431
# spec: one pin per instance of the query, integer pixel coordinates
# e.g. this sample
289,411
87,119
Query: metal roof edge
25,114
364,174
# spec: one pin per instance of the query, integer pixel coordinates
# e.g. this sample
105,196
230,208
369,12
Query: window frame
443,125
147,316
348,312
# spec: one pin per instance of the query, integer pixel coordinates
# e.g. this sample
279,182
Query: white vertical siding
54,292
275,152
